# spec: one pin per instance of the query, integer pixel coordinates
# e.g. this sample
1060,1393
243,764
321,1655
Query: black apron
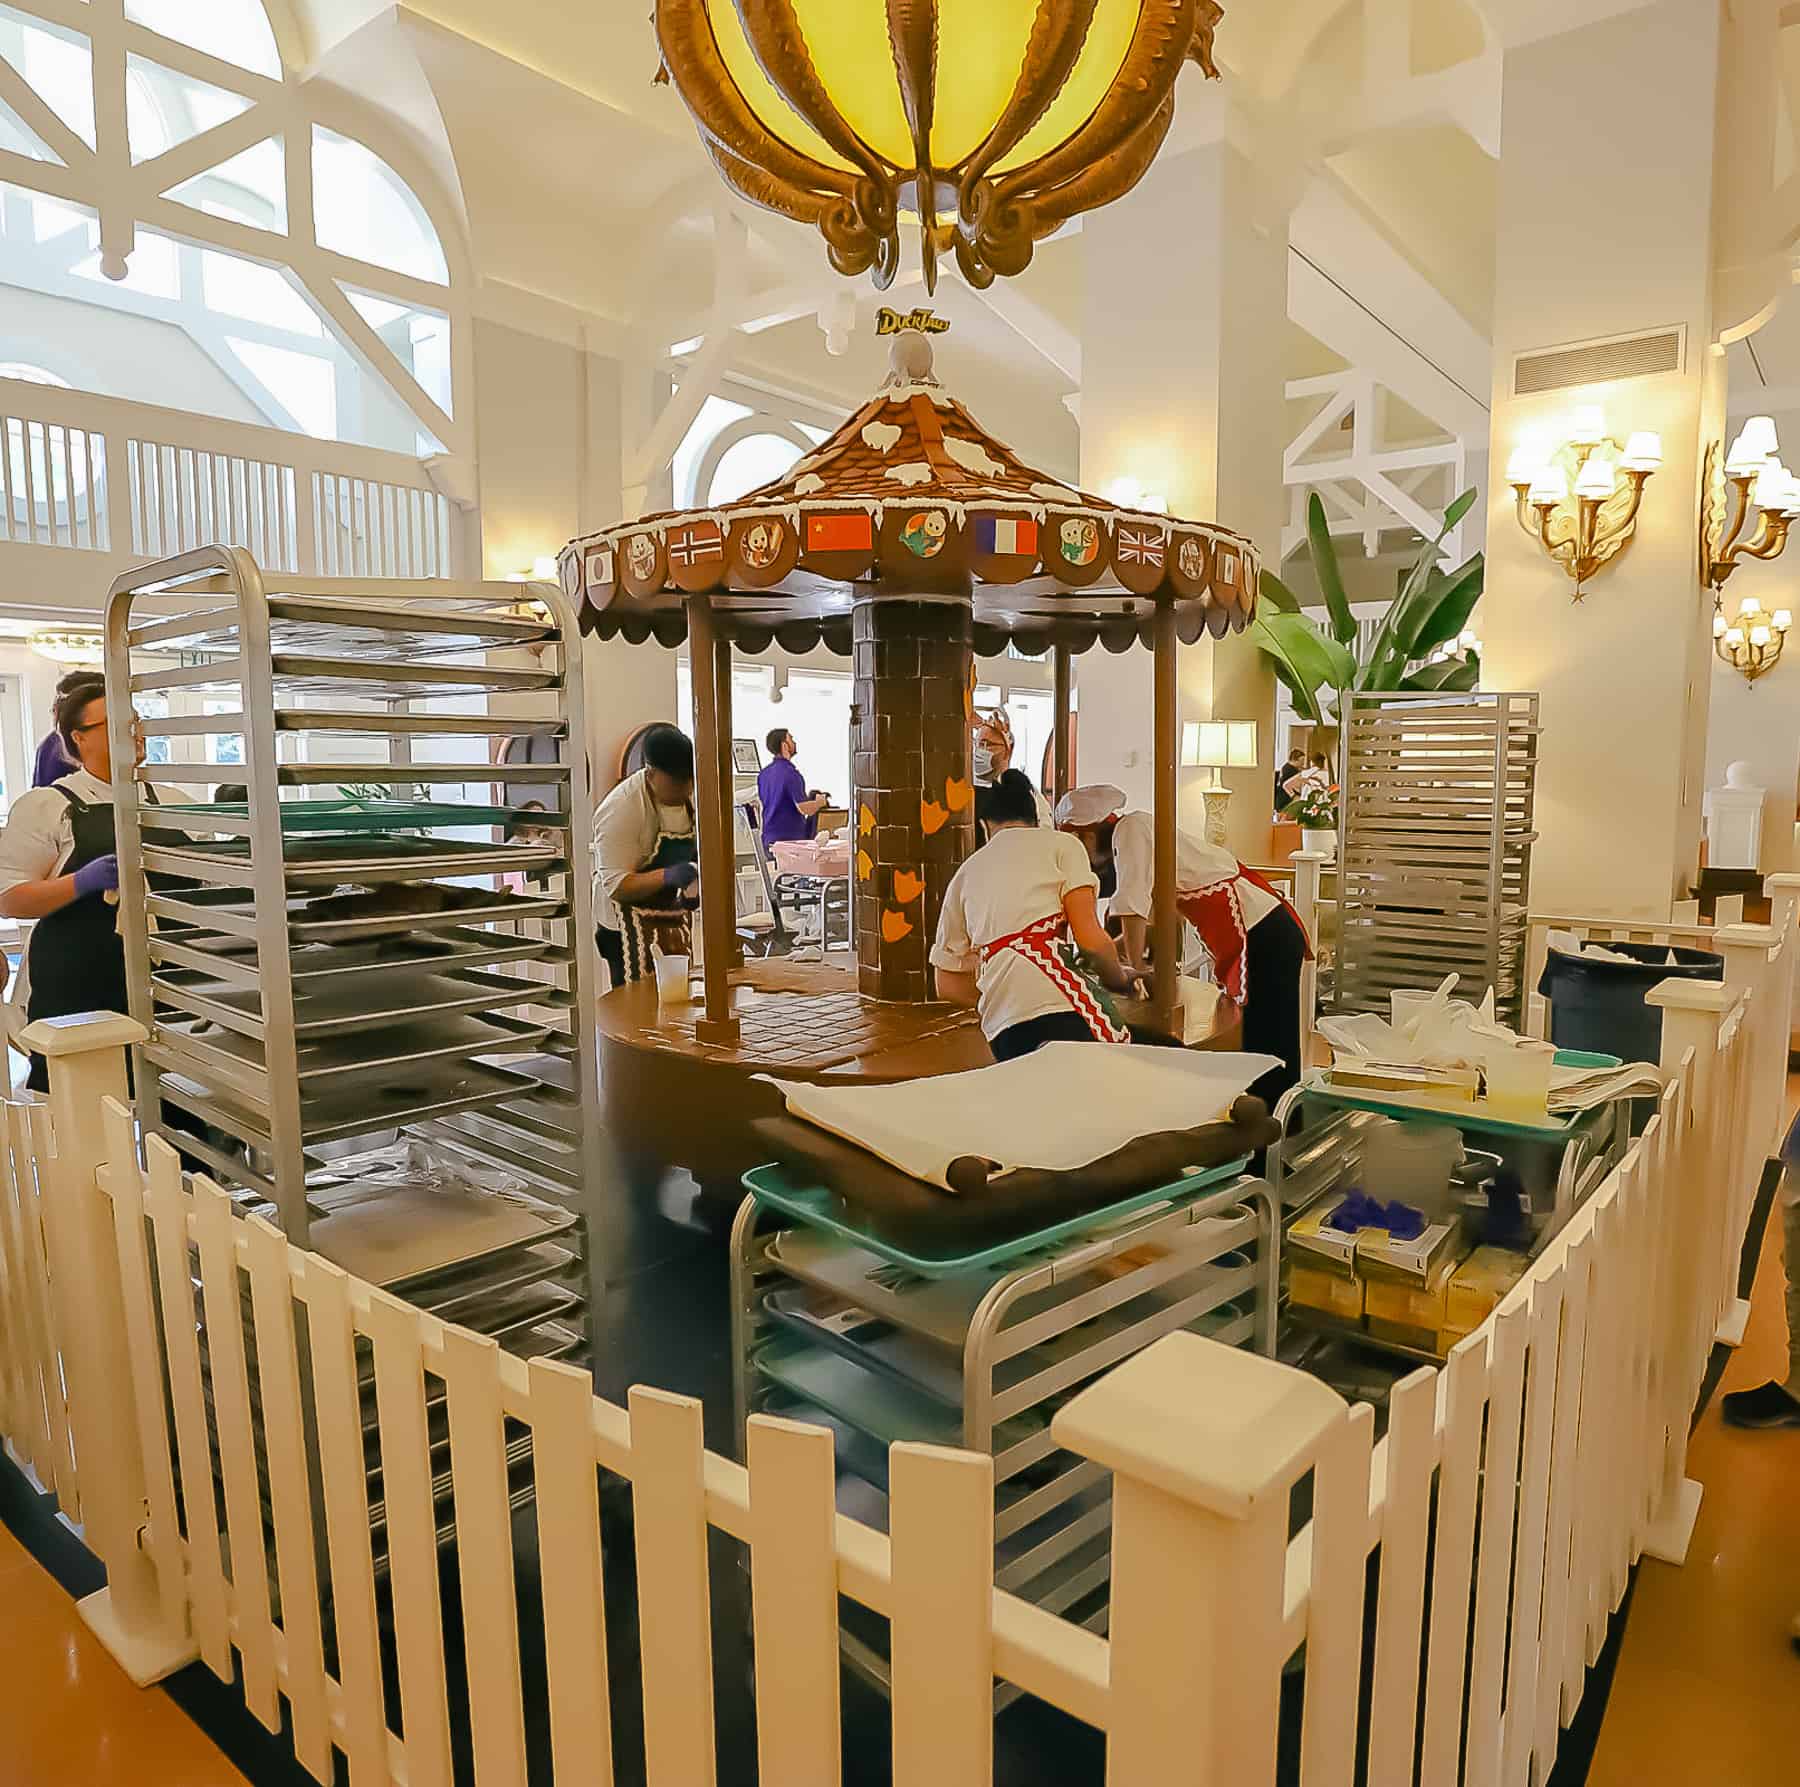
77,957
630,952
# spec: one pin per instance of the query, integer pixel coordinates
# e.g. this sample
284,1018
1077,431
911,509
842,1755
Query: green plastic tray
359,815
1464,1116
776,1187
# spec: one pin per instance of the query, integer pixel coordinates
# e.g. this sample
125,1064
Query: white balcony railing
85,477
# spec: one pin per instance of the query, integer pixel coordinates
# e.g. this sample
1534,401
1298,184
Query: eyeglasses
91,726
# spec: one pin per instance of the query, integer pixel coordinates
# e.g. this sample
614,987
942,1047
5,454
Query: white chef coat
626,829
1020,875
1198,865
40,830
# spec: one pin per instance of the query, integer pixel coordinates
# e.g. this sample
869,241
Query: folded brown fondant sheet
924,1218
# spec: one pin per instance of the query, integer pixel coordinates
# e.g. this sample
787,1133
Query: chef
1018,919
59,864
1253,937
646,872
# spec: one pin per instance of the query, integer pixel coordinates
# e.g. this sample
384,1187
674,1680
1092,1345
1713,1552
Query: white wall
1759,724
1623,677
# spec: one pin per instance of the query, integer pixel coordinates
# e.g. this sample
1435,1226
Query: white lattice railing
81,474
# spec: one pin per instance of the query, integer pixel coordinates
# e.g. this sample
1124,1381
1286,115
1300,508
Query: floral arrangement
1315,810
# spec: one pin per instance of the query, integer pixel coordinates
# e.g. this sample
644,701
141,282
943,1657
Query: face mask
983,764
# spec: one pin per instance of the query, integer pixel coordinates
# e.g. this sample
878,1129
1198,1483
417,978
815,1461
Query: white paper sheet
1064,1106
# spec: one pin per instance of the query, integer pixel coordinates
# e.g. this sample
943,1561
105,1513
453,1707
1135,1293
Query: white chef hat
1092,805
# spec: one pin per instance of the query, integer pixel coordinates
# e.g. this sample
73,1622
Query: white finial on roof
909,360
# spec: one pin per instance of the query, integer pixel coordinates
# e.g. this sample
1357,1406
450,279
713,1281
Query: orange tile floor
1708,1684
69,1716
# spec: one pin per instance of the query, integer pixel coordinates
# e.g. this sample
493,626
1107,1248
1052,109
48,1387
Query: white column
1593,244
1182,391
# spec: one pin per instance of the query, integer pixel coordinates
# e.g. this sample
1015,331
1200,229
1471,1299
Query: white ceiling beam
1397,459
1330,414
1034,325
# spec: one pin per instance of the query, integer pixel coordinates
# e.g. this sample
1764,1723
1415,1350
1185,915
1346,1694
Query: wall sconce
1758,480
1217,745
1573,501
1752,643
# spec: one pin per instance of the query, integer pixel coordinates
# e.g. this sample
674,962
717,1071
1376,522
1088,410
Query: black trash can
1599,1006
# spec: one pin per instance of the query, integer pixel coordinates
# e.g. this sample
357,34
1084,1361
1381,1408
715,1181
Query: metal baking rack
322,970
1434,852
860,1340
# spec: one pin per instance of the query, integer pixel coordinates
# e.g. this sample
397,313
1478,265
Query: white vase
1323,838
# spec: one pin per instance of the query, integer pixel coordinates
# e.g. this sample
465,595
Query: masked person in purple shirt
790,809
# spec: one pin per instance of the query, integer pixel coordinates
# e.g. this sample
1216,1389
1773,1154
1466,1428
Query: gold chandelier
1752,643
989,122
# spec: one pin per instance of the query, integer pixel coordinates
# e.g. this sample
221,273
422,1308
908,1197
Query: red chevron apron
1038,944
1217,913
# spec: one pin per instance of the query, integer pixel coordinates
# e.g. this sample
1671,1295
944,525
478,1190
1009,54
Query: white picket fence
1503,1507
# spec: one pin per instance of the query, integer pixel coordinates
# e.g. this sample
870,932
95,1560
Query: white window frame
123,196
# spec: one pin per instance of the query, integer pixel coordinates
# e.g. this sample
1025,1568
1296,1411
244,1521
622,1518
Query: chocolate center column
914,819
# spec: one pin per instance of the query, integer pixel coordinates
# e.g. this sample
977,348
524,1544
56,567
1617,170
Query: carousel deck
806,1020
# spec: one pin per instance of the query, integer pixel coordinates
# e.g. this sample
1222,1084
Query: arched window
749,462
321,299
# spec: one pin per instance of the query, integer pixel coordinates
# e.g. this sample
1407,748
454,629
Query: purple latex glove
99,876
681,874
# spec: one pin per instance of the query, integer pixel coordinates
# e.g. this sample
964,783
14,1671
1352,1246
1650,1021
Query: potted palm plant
1319,662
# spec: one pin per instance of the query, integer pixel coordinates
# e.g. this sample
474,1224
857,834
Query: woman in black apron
646,862
59,854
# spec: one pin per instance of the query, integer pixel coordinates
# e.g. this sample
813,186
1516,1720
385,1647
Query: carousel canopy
912,500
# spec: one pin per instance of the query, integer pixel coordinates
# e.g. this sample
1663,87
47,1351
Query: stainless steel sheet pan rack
841,1335
354,949
1435,834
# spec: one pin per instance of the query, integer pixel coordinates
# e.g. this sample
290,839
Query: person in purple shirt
53,759
790,809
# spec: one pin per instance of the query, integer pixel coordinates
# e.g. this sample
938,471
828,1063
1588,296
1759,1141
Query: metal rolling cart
340,1029
1560,1161
1434,850
832,1324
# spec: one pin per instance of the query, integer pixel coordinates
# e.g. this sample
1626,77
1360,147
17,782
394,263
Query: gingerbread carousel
910,541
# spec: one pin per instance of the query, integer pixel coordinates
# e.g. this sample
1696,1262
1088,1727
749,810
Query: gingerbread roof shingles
912,441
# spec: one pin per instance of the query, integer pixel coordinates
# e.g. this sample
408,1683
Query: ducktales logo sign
893,322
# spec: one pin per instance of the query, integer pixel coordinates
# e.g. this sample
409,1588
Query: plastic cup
672,980
1405,1003
1518,1080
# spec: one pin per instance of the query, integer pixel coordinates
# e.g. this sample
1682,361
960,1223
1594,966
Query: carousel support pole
718,861
1165,921
727,774
1064,778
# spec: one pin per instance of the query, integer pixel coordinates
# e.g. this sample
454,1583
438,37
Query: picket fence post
86,1057
1750,966
1205,1443
1309,872
1694,1012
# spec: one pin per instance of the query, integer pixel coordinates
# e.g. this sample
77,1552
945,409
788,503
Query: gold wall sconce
1580,500
1757,480
1752,643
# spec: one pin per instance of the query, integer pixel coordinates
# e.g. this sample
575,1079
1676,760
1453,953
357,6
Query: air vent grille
1598,362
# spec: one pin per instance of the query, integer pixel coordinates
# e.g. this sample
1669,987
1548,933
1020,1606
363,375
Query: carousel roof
912,499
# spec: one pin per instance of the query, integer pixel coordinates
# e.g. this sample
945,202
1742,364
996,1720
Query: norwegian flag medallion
697,555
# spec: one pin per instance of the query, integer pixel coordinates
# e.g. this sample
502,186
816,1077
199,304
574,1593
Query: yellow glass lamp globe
988,123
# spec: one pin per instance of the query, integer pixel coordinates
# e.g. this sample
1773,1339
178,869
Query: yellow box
1424,1340
1332,1292
1479,1284
1412,1305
